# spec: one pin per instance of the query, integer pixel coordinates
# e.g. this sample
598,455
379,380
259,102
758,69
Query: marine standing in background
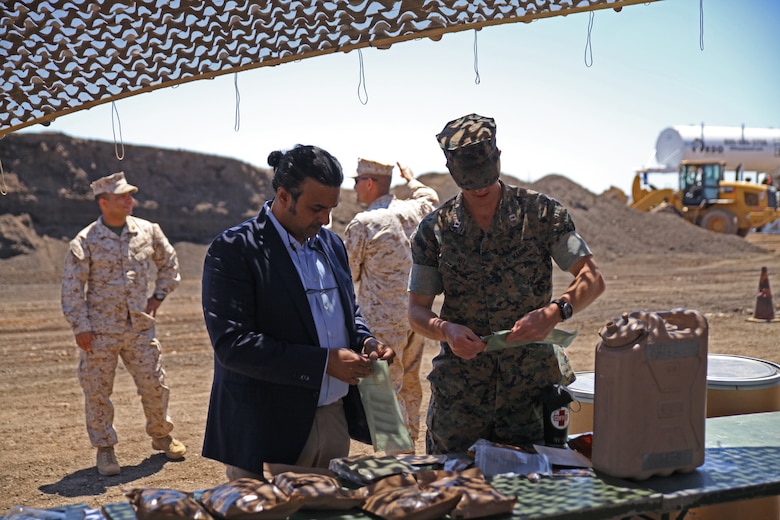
490,249
380,258
105,299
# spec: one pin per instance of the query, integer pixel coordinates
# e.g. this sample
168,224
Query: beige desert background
651,262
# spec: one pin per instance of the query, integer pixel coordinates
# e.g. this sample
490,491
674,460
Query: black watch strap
565,309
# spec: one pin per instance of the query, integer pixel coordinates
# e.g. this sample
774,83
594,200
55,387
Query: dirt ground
46,459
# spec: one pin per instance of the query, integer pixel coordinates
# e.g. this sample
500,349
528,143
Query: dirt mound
17,236
193,196
614,230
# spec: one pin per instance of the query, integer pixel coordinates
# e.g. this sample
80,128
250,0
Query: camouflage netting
60,56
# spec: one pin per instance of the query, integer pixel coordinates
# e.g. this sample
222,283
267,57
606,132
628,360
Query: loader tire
720,220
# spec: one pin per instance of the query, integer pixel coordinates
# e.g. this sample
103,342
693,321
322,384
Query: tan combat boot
173,449
107,464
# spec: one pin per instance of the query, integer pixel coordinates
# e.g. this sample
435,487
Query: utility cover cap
623,331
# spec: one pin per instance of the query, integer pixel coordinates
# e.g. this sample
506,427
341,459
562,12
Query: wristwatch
564,308
159,296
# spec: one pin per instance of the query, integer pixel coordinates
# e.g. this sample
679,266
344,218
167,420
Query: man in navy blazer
289,341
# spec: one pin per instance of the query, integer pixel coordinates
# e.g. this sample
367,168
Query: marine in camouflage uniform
380,258
105,287
495,274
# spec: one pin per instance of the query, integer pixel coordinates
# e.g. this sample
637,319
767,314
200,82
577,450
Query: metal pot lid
727,372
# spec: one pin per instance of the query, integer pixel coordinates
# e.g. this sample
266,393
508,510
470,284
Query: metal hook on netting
476,59
588,44
701,24
237,123
362,81
4,188
119,155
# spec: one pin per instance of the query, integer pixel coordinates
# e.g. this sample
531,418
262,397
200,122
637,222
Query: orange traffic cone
765,309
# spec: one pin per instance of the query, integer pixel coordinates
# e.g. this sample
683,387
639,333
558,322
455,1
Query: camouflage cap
114,183
469,143
373,168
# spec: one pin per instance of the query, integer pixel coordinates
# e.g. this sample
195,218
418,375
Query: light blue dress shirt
322,292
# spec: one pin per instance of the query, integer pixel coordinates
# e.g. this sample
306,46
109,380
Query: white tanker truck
702,156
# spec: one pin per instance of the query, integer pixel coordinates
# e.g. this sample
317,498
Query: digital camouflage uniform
380,258
105,288
489,280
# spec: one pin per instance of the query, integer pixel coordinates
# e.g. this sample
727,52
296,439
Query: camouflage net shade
61,56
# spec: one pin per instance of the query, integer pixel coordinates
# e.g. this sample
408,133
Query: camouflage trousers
405,373
495,396
140,353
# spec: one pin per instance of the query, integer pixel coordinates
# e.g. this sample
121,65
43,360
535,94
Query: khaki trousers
140,353
328,439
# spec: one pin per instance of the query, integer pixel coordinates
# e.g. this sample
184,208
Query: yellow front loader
706,199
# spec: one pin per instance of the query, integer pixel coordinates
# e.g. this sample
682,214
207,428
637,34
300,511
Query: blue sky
555,114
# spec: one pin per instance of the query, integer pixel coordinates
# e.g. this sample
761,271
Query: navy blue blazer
268,365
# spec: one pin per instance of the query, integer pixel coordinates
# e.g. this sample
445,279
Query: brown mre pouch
411,503
249,499
165,504
318,491
479,498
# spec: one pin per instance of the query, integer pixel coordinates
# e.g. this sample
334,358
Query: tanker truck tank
755,149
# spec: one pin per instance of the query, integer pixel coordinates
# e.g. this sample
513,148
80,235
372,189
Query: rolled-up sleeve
424,279
568,249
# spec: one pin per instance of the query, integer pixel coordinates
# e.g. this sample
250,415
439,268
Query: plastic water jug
650,389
